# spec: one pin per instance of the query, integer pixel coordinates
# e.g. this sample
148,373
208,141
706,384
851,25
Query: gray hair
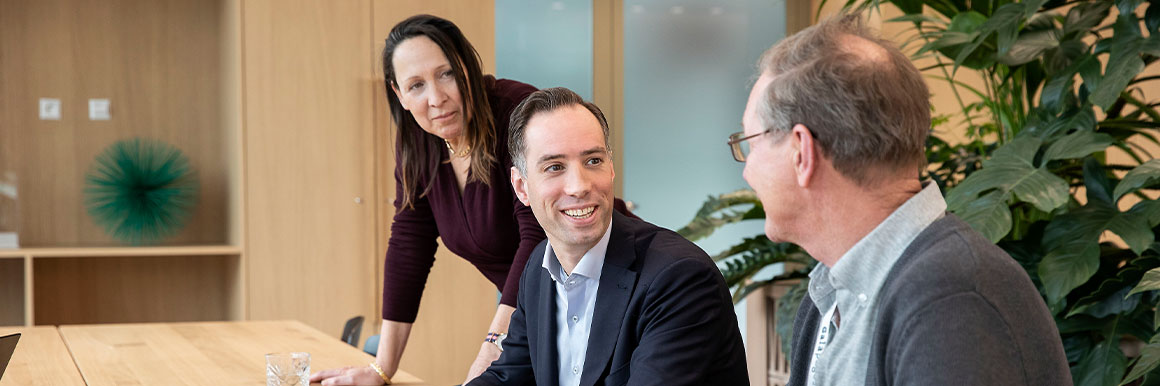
544,101
860,96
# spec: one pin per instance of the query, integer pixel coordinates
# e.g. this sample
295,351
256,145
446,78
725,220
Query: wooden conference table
199,353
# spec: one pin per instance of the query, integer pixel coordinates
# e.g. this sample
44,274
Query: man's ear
520,185
395,89
612,167
806,154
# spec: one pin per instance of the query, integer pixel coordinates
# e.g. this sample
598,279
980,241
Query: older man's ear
519,185
806,158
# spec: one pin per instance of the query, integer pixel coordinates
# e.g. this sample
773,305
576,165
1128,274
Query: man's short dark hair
543,101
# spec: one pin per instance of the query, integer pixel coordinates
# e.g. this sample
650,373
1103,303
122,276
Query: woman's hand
488,353
353,375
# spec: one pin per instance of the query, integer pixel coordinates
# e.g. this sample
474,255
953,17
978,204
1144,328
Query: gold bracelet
386,379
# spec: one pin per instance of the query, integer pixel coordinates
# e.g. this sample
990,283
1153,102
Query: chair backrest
352,330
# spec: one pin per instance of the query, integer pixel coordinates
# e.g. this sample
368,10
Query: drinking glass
288,369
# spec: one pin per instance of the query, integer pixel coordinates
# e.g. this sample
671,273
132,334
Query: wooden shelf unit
50,286
170,70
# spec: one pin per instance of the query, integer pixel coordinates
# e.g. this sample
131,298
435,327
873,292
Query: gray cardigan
955,310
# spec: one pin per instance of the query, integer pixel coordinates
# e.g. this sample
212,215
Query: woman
452,180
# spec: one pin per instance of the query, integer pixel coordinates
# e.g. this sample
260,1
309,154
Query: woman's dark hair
418,153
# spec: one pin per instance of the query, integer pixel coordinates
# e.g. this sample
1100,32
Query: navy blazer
663,316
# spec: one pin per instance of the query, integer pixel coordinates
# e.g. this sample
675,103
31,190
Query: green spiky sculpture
141,190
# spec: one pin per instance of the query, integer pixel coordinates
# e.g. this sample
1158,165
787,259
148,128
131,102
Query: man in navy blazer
606,299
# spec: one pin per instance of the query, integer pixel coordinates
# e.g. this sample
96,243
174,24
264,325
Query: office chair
352,330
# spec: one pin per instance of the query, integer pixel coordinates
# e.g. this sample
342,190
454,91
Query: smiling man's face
569,178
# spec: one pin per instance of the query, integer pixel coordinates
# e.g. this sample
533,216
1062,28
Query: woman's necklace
452,150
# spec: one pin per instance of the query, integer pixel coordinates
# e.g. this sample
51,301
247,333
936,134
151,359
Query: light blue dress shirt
575,300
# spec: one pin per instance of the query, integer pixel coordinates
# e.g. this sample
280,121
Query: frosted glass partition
545,43
688,67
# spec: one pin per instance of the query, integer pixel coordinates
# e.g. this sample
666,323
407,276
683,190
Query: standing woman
452,181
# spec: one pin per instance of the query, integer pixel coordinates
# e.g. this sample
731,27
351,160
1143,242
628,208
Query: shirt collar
590,264
863,268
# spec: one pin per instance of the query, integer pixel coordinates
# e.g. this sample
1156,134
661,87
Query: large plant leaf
1150,211
759,242
1069,51
1123,64
1077,346
1010,170
1095,179
1081,119
1116,303
1005,22
1085,16
1061,84
1124,279
718,211
1030,46
1128,7
1089,71
1150,282
1066,267
1146,174
1103,366
1080,324
989,215
1149,359
960,40
1073,240
1152,18
1077,145
1087,223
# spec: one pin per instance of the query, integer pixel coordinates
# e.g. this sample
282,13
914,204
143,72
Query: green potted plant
1061,86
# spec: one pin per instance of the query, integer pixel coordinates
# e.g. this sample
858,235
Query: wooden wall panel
608,75
132,289
458,303
12,291
158,63
309,161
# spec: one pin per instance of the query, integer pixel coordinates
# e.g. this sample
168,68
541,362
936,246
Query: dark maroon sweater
486,225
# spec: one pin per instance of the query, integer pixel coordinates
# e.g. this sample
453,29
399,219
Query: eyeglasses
740,145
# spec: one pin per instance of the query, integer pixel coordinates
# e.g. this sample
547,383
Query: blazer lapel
616,283
547,327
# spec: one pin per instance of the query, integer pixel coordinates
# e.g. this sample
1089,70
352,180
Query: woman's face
425,85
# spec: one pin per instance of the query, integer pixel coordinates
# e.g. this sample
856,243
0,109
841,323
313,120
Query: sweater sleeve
410,255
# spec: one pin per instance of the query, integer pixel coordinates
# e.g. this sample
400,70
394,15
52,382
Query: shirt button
575,318
575,370
862,298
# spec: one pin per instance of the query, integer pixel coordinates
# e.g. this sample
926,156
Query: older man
611,300
906,294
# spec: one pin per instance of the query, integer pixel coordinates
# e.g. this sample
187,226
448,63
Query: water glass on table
288,369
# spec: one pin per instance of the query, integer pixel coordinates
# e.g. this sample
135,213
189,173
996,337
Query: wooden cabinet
165,68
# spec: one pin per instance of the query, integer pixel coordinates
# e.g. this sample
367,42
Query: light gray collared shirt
853,285
575,300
